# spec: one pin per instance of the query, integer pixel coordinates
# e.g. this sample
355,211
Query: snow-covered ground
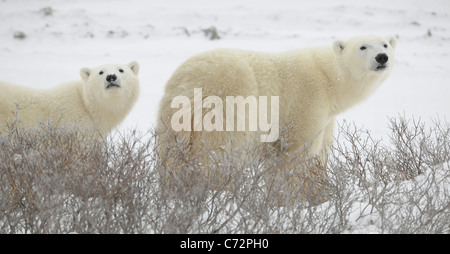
46,42
63,36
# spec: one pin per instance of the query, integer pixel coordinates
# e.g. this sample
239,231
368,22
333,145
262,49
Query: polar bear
313,85
100,101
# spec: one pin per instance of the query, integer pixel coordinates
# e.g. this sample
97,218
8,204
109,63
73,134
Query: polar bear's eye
100,73
385,45
363,48
120,70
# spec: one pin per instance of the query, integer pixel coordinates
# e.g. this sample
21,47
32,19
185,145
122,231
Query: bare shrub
211,33
61,180
405,183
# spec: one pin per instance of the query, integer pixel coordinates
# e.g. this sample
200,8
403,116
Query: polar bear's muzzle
382,61
112,81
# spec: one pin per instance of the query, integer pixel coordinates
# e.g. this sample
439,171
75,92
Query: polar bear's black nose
111,77
382,58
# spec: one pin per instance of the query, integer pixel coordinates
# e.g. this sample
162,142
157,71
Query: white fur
88,103
314,85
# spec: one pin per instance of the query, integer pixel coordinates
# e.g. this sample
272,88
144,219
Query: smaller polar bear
101,100
314,85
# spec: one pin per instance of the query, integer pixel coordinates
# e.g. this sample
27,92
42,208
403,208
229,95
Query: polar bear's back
226,72
31,106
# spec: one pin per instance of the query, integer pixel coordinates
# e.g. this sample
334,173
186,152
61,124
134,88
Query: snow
45,43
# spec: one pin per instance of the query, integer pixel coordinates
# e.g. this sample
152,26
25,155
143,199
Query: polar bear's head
110,90
111,79
366,57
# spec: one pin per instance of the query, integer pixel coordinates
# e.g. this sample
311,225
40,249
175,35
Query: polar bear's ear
393,41
338,46
134,66
84,73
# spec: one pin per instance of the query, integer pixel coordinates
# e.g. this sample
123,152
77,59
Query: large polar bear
313,86
101,100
